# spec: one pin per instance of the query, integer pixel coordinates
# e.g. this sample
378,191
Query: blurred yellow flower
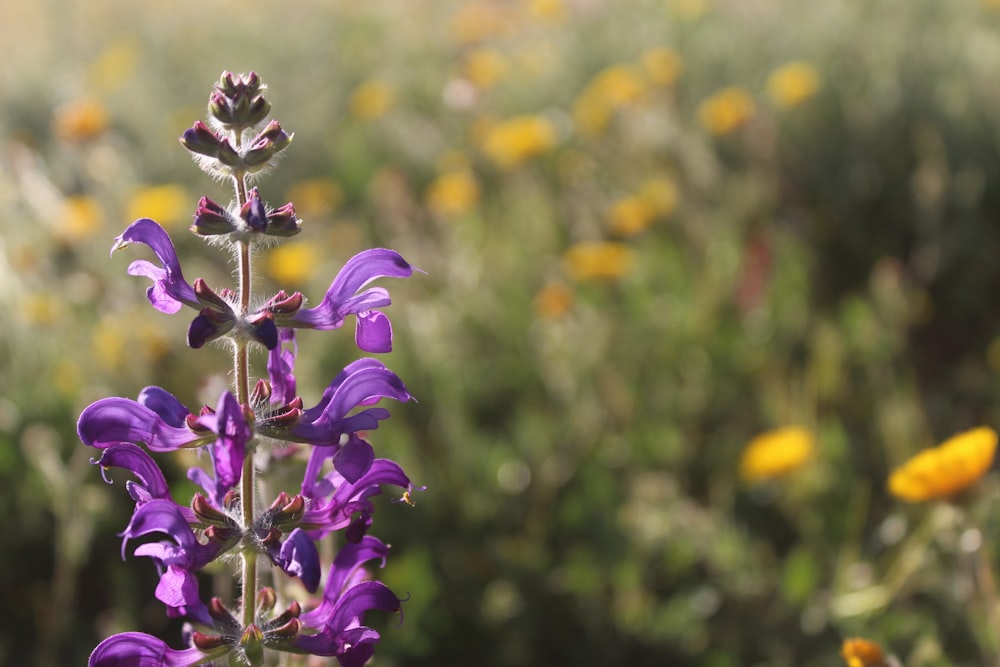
792,84
107,339
169,204
81,217
663,66
116,64
945,470
610,89
291,263
629,215
67,377
315,198
777,453
862,653
371,100
511,142
40,308
599,260
660,195
484,67
553,300
453,193
726,111
551,11
81,119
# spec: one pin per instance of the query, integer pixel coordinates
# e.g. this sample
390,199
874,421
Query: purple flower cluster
225,519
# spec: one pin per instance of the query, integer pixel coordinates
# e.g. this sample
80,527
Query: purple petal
169,290
360,598
178,588
133,458
137,649
233,433
281,366
340,301
113,420
165,404
373,332
354,459
299,558
349,559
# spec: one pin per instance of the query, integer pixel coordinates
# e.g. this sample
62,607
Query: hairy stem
242,377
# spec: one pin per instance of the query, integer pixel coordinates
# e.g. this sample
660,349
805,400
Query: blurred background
652,230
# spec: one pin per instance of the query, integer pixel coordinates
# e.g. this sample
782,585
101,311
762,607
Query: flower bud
271,141
211,219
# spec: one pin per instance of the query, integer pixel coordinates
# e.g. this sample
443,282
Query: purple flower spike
374,333
111,421
169,290
137,649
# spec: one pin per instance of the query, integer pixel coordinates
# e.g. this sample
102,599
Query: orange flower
945,470
776,453
553,300
81,119
862,653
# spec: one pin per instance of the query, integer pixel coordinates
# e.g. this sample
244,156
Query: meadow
653,231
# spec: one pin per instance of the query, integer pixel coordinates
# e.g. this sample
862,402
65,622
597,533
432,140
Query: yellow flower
453,193
726,111
292,263
315,198
660,195
168,204
629,215
371,100
484,67
116,64
777,453
551,11
662,65
511,142
945,470
792,84
862,653
81,217
553,300
81,119
611,89
599,260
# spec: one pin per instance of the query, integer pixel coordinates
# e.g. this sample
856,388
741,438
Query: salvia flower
253,427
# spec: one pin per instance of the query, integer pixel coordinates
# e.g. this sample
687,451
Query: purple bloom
346,598
281,367
137,649
169,290
177,558
155,420
373,332
363,382
335,500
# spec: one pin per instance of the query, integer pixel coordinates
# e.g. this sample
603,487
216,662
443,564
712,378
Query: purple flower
336,500
169,290
373,332
177,558
346,598
157,420
137,649
281,367
363,382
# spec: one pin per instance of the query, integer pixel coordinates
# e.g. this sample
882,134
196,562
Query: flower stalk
342,472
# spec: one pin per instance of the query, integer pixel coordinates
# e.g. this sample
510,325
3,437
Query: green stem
241,363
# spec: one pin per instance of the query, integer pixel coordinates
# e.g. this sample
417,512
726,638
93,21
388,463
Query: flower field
705,358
